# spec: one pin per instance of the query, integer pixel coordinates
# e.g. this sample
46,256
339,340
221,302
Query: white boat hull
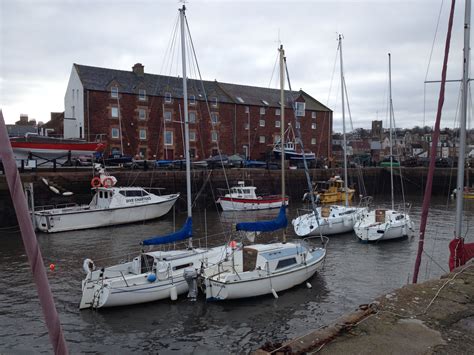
258,283
339,221
83,217
250,205
369,230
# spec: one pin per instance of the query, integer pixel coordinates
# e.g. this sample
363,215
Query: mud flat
434,317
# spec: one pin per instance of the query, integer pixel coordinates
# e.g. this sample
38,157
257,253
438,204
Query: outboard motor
190,275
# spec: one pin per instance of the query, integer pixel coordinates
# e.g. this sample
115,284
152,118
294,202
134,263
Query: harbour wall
206,184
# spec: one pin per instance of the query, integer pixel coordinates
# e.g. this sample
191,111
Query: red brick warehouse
143,112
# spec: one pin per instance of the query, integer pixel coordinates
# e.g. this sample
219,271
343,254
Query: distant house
22,127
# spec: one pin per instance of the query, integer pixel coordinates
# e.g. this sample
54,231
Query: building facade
141,114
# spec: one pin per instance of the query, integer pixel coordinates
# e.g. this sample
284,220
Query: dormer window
300,109
168,97
192,100
114,92
142,94
213,101
262,110
239,99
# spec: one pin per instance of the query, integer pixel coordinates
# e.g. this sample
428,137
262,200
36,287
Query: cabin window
179,267
146,263
300,108
100,194
192,117
114,92
277,124
142,94
286,262
246,191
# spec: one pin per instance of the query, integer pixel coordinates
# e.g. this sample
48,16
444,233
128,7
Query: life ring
108,182
95,182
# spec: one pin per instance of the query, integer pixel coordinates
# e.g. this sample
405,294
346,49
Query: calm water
354,273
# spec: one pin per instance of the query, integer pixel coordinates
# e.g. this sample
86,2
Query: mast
282,126
462,134
343,123
391,129
182,15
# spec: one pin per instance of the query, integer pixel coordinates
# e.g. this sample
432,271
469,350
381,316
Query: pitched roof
100,79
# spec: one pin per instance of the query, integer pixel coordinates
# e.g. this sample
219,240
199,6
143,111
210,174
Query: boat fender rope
95,182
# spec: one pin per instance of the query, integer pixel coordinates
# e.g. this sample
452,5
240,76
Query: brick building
142,113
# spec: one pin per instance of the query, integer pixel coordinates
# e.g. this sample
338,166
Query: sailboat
261,269
154,275
384,224
334,219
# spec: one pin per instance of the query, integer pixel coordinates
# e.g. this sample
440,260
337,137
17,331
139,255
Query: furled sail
184,233
265,226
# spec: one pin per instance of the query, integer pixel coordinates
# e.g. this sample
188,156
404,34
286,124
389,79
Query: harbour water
354,273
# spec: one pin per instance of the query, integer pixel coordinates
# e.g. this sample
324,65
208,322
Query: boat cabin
119,197
242,191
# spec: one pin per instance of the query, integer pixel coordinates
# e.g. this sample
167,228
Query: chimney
138,69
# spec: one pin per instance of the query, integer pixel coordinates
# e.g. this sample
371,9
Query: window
262,123
313,140
277,112
214,136
192,100
247,109
142,114
239,99
73,111
168,116
115,132
142,133
246,126
192,117
300,107
276,138
114,92
168,97
192,153
277,124
262,110
192,136
262,139
285,262
313,114
214,118
114,111
313,125
142,94
213,101
265,102
168,137
142,153
298,125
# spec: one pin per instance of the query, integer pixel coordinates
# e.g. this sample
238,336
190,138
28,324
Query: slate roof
101,79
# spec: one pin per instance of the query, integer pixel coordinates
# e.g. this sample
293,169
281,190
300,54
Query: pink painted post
31,245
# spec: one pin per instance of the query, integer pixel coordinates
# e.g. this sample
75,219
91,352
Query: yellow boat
468,193
331,191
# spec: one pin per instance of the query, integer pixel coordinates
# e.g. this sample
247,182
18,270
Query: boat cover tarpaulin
184,233
459,253
265,226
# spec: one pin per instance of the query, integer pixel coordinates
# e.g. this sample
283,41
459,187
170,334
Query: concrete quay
434,317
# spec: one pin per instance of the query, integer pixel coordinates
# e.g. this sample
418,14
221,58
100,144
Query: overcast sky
236,42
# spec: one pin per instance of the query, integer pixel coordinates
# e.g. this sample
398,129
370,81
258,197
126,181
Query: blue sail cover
184,233
265,226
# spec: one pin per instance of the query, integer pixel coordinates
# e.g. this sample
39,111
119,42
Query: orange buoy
95,182
233,244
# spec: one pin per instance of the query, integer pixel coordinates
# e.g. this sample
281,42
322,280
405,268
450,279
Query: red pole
31,245
434,144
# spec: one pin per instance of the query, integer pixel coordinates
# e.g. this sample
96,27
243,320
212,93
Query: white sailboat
385,224
261,269
334,219
154,275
